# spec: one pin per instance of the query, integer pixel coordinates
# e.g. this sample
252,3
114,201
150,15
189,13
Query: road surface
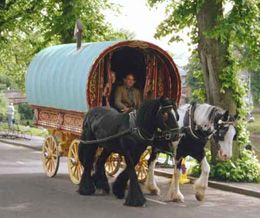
25,192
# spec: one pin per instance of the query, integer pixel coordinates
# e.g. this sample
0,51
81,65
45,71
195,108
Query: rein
164,135
106,139
167,134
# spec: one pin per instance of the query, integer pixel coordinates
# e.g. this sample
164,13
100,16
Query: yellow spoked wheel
142,166
74,166
112,164
50,156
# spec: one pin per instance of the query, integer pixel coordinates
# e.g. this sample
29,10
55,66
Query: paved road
25,192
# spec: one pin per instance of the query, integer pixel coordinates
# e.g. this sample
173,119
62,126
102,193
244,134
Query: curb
20,144
217,185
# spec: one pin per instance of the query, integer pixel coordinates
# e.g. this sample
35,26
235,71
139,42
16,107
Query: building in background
14,96
185,89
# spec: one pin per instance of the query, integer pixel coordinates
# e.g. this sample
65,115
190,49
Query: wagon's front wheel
112,164
74,166
50,156
142,166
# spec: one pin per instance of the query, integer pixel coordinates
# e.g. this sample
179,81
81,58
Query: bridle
168,135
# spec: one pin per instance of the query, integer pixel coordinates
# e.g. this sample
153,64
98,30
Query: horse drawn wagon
63,83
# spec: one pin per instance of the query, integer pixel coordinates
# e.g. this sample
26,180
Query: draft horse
199,122
155,119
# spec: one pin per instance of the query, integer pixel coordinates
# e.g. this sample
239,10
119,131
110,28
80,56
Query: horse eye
165,116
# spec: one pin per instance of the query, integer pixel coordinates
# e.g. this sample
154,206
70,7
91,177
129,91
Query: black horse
155,120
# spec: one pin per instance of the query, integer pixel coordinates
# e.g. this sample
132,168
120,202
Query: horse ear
225,116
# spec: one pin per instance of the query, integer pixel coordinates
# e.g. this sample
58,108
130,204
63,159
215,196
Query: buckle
168,135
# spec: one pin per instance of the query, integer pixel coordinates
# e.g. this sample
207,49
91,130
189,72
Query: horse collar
189,123
190,126
141,134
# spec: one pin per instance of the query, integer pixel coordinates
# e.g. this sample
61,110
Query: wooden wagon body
63,83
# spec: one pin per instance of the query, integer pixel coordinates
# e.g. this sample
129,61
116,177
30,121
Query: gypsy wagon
63,83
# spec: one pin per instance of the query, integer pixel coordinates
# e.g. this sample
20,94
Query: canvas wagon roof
57,76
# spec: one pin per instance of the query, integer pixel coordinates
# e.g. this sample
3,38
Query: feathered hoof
104,186
200,196
86,190
154,191
174,197
119,193
135,202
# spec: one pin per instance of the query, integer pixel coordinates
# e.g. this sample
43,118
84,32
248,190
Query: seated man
127,97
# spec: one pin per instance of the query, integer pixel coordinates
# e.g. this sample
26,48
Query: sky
137,17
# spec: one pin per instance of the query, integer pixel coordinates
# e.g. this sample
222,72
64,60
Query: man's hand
127,109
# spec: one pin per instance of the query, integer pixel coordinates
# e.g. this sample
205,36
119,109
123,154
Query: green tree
3,107
219,36
255,85
195,79
27,26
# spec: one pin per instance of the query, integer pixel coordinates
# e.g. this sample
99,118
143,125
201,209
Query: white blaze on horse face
226,145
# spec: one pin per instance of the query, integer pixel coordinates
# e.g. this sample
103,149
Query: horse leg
86,157
150,182
135,195
174,193
119,186
202,182
100,178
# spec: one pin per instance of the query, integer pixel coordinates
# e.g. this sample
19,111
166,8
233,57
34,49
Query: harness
191,128
196,131
170,134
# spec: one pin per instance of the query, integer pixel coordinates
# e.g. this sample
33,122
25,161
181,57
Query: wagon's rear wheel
112,164
142,166
74,166
50,156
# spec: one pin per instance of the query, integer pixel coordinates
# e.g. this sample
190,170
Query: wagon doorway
129,60
154,74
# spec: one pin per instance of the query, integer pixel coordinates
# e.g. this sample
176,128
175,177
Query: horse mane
213,113
146,114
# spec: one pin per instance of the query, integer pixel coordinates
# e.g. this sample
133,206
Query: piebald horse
199,122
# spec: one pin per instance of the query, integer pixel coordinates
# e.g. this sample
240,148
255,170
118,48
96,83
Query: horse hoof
199,196
154,191
86,192
135,202
101,192
89,190
119,193
176,197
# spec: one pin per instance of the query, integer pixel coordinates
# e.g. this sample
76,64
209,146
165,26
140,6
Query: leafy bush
25,111
244,169
3,107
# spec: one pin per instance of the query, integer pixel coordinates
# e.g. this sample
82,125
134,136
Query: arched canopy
65,78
